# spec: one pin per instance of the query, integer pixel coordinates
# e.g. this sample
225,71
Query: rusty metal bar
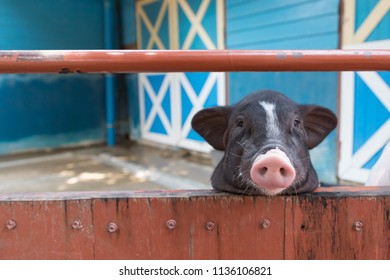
127,61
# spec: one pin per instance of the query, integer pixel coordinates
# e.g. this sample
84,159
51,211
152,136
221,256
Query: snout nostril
263,170
272,171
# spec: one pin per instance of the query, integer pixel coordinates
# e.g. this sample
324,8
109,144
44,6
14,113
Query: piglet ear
318,122
211,124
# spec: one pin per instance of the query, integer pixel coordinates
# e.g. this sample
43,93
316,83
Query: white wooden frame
349,36
214,78
146,122
171,7
177,134
351,164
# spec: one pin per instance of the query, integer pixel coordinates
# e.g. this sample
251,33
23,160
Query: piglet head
266,139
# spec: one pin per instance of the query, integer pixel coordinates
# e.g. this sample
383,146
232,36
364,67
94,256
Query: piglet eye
239,122
297,122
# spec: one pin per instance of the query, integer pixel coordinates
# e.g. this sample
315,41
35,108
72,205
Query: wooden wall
43,111
332,223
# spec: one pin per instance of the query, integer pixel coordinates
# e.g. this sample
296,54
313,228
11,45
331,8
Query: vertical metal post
109,43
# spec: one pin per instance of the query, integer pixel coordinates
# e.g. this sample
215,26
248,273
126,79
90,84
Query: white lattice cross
157,99
153,30
196,25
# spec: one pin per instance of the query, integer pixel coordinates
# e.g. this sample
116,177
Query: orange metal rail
126,61
331,223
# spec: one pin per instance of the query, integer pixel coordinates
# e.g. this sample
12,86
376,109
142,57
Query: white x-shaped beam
196,25
197,101
153,30
156,101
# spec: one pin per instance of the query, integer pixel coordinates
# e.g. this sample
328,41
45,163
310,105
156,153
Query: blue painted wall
128,21
42,111
129,37
292,24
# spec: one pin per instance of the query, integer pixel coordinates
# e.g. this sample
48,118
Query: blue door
365,96
168,101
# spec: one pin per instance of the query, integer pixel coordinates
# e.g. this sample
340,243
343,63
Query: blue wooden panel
129,35
291,30
41,111
382,30
244,8
289,14
197,80
148,104
186,105
158,127
133,105
294,24
308,87
316,41
47,24
291,24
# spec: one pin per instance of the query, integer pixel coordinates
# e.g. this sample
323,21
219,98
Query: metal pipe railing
128,61
110,84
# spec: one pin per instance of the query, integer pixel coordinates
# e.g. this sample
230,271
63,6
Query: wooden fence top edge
329,192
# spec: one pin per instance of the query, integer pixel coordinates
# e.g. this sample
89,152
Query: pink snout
273,171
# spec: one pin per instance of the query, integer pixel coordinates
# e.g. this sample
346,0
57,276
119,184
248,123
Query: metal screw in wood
171,224
210,226
112,228
77,224
358,226
266,223
11,224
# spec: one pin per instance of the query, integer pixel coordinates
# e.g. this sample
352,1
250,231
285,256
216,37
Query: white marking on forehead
272,119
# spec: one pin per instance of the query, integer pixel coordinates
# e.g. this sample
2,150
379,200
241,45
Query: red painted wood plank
43,230
238,228
195,225
344,228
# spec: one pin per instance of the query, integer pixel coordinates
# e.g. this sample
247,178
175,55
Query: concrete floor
133,167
